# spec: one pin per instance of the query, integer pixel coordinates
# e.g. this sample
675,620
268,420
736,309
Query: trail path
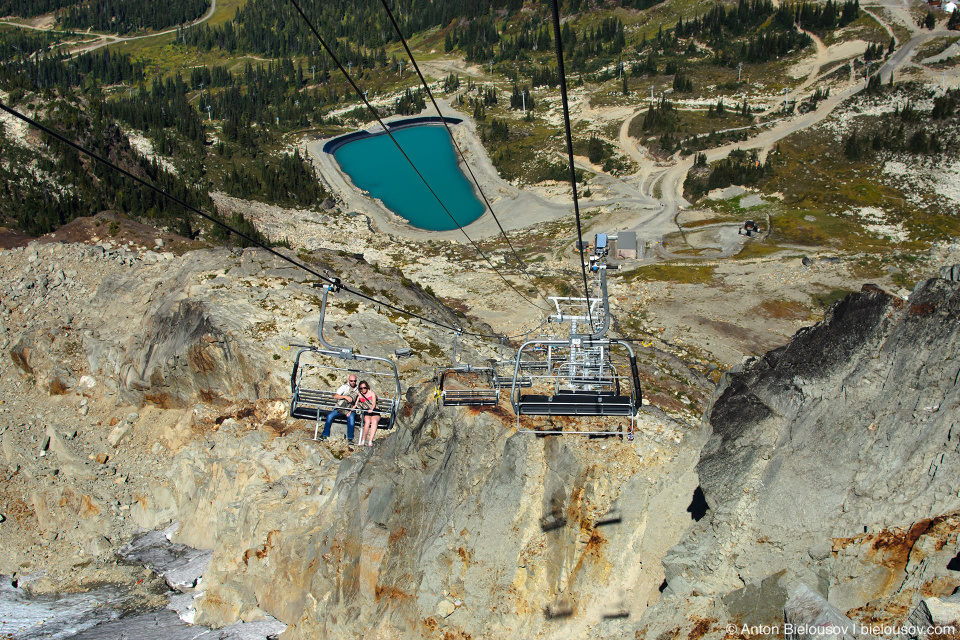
105,40
665,183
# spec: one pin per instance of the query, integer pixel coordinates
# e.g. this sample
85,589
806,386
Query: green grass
815,178
791,226
828,297
669,272
226,10
757,249
730,206
864,28
933,47
167,58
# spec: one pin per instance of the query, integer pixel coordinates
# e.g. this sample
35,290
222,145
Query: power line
417,171
573,171
423,81
220,223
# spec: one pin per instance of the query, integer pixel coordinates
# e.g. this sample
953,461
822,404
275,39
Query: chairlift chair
316,369
474,396
582,376
582,389
503,375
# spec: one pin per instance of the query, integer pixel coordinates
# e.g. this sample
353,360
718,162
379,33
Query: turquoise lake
377,166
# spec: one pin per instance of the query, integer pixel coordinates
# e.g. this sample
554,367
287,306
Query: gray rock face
178,330
832,464
835,462
809,617
851,424
453,524
950,273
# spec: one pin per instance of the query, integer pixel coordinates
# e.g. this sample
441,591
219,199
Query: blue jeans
351,417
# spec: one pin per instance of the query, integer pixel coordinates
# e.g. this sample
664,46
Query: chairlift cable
423,81
573,172
386,130
220,223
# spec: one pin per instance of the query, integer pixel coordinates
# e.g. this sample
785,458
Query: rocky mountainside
832,463
114,353
143,388
826,466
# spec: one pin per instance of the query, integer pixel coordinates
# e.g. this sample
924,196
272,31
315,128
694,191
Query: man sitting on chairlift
345,396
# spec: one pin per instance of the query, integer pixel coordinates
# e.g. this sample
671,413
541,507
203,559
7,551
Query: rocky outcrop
833,462
950,273
829,464
454,524
827,475
808,616
180,330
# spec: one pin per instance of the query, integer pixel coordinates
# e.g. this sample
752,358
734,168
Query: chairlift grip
346,352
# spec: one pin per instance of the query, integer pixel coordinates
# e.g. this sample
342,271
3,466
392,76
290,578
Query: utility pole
209,116
651,94
314,69
739,71
491,68
523,96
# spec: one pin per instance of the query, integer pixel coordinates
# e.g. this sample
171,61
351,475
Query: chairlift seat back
575,404
471,397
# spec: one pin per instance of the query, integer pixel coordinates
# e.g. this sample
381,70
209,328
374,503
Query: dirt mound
10,238
105,226
118,228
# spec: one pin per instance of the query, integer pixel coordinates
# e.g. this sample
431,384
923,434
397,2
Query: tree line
164,113
33,73
740,167
251,106
112,16
909,130
287,180
72,186
126,16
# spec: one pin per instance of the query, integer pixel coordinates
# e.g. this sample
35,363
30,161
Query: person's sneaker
323,438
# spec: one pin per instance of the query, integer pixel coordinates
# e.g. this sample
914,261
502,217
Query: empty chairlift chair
319,371
477,396
581,377
592,386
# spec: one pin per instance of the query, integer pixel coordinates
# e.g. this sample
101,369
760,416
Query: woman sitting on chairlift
367,404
